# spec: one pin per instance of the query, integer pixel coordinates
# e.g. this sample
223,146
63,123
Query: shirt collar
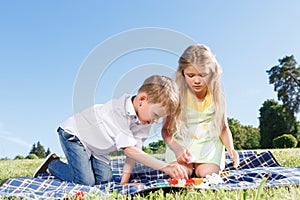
129,108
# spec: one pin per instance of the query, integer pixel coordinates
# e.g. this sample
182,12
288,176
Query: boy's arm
142,157
127,169
175,171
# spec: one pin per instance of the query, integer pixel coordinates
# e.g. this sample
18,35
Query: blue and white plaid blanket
253,168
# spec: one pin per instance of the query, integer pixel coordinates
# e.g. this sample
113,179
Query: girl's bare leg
203,169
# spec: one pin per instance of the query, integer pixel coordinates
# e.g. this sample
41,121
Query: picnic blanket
253,168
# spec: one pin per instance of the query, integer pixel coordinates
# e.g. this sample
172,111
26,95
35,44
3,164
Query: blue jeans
81,168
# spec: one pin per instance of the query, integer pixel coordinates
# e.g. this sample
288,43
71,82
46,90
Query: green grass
16,168
285,157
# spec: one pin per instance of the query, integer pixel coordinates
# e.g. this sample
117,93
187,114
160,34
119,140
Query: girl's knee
203,170
189,171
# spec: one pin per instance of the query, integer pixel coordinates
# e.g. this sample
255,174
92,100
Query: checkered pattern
253,168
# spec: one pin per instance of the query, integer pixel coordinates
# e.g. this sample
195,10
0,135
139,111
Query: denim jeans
80,168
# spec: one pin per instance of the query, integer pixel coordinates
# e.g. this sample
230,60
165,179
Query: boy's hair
162,90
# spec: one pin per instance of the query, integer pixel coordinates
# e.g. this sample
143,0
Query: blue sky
45,44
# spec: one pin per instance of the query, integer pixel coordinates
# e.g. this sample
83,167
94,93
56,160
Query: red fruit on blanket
79,195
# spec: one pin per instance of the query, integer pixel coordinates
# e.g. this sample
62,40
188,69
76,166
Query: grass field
285,157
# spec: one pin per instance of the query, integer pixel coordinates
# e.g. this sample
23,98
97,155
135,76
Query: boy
88,137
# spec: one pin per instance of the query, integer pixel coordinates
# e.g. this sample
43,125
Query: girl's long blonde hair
201,56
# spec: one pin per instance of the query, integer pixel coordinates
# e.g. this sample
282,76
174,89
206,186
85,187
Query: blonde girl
199,145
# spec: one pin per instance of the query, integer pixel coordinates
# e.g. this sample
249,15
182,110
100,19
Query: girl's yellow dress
201,139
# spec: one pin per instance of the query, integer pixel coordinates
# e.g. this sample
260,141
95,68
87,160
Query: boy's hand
175,171
125,178
134,184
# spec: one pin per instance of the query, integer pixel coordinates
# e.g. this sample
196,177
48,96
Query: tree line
37,151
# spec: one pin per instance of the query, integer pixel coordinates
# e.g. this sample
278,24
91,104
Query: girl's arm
227,140
181,153
167,135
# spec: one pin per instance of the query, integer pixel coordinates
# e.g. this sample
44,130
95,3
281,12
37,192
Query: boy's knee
85,180
105,175
88,182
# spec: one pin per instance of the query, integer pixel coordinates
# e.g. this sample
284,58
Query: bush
285,141
19,157
147,150
32,156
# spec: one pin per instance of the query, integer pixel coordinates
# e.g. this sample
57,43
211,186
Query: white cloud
6,135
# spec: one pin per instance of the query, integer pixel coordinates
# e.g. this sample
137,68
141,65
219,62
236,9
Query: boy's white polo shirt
105,128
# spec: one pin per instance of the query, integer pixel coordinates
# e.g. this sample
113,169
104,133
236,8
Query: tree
33,150
157,147
252,137
286,80
273,121
244,137
39,150
239,138
48,152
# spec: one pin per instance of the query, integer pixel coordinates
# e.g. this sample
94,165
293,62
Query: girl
205,131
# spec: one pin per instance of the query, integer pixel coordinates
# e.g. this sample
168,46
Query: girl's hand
183,156
235,157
